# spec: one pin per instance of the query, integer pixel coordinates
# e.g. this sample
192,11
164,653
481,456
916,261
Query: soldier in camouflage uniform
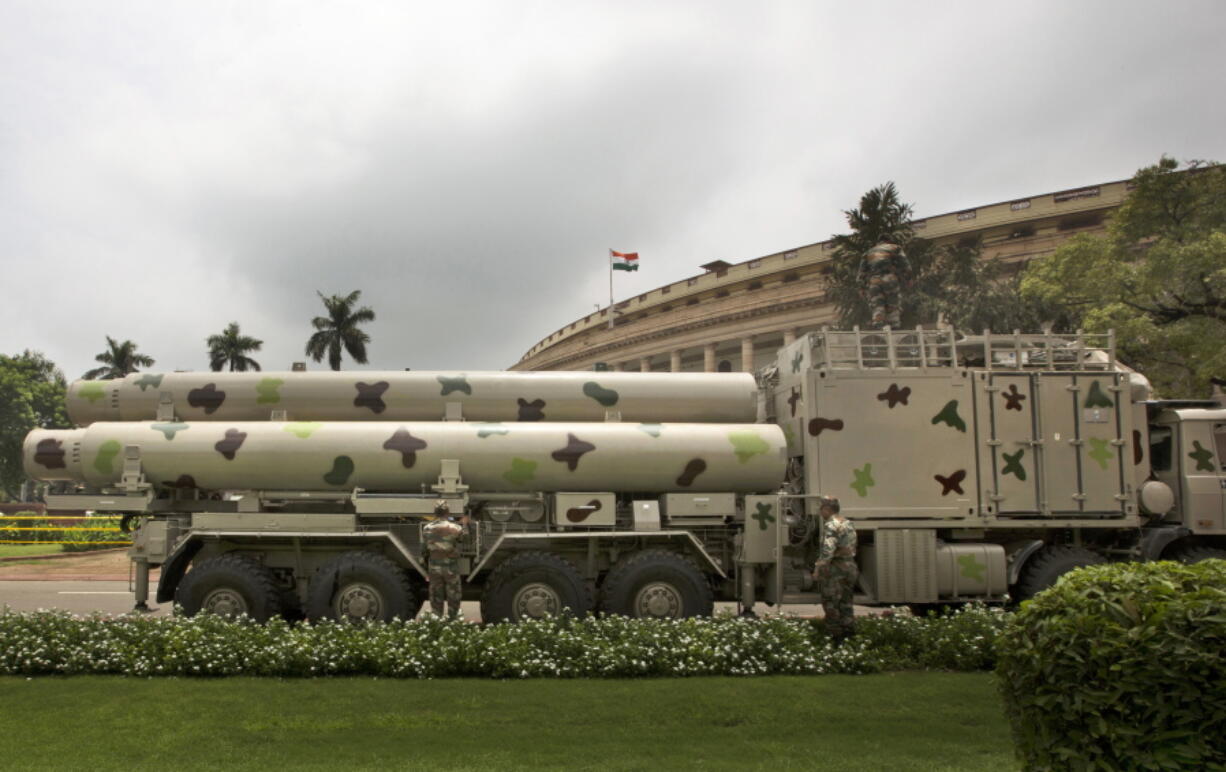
442,547
883,274
835,571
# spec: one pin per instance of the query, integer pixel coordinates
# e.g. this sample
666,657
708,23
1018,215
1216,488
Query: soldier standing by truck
442,537
835,570
883,274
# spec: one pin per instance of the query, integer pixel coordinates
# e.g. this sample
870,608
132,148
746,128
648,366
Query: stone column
674,361
644,364
789,336
747,354
708,358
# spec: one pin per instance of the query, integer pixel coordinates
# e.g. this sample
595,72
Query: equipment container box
694,508
583,510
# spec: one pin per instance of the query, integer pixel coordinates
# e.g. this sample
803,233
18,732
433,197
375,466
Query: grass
23,550
904,721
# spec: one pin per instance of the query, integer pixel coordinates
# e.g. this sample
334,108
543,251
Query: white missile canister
404,456
419,396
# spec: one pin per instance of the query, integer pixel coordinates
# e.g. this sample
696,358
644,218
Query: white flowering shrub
961,640
54,642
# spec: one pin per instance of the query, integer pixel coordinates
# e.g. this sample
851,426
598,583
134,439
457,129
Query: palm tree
881,216
340,329
231,347
118,360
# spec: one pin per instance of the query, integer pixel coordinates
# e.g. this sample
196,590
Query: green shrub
77,538
593,647
1120,666
16,527
961,640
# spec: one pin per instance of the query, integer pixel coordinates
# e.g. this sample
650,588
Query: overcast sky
166,168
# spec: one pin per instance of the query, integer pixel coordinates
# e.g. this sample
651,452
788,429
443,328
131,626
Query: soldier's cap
828,501
441,508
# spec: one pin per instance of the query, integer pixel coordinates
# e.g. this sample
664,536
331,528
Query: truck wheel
532,585
1049,564
657,584
230,585
361,586
1194,553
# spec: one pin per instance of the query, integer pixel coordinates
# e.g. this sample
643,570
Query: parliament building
735,316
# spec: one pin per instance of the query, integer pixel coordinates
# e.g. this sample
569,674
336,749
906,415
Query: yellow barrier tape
52,528
61,517
120,543
72,528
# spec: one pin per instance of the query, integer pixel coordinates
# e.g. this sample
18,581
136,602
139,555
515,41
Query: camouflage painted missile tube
393,456
420,396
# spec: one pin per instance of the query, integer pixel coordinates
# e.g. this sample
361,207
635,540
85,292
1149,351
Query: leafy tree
1157,277
974,294
339,329
231,347
118,360
31,397
951,282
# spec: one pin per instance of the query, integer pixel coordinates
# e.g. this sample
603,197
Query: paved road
114,597
98,582
109,597
81,597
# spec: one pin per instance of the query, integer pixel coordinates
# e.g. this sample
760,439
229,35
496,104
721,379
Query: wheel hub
658,599
225,602
535,601
359,601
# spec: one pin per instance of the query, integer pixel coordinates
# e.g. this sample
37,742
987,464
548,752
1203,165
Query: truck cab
1188,453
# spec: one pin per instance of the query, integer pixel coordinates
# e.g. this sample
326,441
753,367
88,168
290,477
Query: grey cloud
169,169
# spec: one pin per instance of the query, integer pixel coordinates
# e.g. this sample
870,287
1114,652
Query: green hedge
1120,666
31,527
597,647
15,527
76,540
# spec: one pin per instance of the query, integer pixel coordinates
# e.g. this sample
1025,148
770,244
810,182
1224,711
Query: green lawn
22,550
906,721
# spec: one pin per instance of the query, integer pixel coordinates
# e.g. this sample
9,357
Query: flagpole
610,289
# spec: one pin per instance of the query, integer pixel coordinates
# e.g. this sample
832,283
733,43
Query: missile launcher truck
974,468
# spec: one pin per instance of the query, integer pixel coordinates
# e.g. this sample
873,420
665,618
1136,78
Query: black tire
657,584
531,585
229,585
291,606
1194,553
359,586
1049,564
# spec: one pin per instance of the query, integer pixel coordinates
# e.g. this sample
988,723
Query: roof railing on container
922,349
857,349
1041,351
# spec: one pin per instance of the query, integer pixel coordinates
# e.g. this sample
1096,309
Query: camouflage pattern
835,573
419,396
883,273
913,443
442,543
387,456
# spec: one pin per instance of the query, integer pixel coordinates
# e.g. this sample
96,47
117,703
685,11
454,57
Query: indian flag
624,261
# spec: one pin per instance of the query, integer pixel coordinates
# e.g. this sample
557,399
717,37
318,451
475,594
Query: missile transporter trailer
974,468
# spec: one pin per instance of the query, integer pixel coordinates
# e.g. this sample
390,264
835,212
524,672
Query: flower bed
49,642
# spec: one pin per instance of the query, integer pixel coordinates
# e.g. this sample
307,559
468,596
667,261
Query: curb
58,555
